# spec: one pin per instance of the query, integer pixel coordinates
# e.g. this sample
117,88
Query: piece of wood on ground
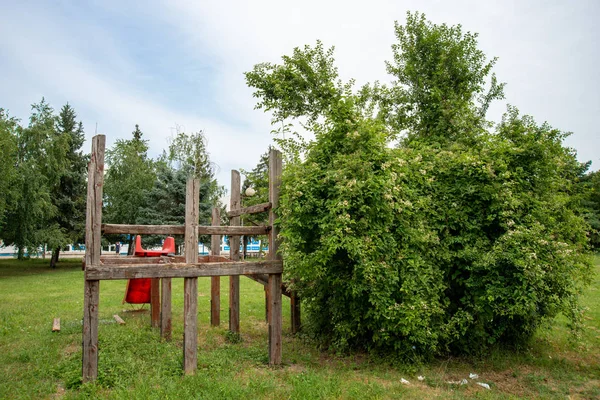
119,319
56,325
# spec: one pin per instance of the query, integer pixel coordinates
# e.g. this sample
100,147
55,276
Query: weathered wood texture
275,167
176,270
91,298
180,229
264,280
215,281
275,319
190,325
165,309
91,294
119,320
93,213
130,260
267,301
190,285
255,209
143,229
295,312
56,325
274,314
234,254
155,302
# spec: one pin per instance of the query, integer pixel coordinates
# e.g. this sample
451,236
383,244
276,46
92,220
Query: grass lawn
135,363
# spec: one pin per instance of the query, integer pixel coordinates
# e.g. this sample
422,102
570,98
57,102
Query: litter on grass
485,385
463,382
402,380
473,375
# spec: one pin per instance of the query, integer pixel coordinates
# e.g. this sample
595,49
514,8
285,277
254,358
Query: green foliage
135,363
164,202
69,192
129,176
440,75
8,149
40,161
457,239
591,204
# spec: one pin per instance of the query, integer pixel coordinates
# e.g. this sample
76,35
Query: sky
179,64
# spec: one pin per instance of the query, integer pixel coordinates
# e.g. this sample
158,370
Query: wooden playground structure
189,267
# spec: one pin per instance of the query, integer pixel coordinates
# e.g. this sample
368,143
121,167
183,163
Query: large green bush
456,238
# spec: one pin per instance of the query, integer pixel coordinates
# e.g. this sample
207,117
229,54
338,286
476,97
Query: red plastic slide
138,290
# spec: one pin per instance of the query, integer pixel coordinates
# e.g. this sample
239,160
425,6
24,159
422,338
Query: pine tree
69,194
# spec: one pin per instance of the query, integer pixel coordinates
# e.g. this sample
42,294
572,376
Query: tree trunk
54,259
131,247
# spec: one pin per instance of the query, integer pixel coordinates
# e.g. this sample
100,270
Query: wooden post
190,285
295,312
234,254
155,302
215,281
274,312
91,295
267,302
165,309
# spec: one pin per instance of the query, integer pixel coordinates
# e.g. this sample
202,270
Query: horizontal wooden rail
180,230
120,260
144,229
132,260
255,209
182,270
264,280
233,230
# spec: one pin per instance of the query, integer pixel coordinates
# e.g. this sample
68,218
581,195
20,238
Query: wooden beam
93,221
263,279
275,319
255,209
155,302
233,230
274,313
275,168
215,281
122,260
91,292
132,260
143,229
183,270
234,254
91,298
119,319
190,325
190,284
56,325
295,312
180,229
165,309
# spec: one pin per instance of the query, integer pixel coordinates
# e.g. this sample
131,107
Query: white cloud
547,56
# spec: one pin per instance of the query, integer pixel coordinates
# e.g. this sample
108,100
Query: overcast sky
181,63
